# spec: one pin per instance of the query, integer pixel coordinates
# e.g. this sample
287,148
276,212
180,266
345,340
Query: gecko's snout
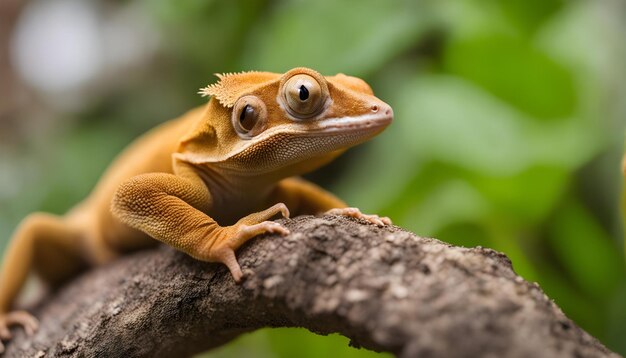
382,108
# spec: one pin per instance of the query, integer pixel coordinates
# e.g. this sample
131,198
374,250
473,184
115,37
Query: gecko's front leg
172,209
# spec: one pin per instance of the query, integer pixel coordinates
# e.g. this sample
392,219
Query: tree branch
384,288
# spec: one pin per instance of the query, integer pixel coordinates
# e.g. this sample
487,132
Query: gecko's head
298,120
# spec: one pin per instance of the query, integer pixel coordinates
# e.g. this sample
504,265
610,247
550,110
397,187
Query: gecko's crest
231,86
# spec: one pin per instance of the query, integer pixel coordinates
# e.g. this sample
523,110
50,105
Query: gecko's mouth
365,122
326,134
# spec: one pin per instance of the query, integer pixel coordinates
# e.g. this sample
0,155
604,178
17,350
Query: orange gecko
207,182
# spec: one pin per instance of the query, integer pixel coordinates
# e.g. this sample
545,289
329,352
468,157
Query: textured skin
197,185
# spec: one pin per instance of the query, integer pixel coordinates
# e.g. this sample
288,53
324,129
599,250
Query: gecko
204,183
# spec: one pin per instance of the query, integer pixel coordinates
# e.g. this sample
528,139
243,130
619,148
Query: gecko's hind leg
50,246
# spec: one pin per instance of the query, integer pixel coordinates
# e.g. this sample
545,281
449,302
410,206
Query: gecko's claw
16,318
284,211
356,213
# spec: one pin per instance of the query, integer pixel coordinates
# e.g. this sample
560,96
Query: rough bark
384,288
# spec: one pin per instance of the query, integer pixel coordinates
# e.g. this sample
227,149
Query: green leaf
528,15
450,119
334,36
513,70
591,258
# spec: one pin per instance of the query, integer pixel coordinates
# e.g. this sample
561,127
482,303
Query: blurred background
508,131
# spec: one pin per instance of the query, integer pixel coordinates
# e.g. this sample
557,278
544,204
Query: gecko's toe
373,219
236,273
28,321
5,334
246,232
18,318
276,228
376,221
227,257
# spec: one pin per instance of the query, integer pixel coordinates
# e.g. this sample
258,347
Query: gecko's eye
304,96
249,116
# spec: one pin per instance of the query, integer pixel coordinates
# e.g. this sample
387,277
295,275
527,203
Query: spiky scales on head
231,86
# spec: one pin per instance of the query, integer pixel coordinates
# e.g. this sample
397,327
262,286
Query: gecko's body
206,182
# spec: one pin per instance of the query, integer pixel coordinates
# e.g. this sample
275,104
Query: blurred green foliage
508,130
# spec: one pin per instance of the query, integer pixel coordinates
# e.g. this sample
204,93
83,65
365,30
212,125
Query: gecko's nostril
375,108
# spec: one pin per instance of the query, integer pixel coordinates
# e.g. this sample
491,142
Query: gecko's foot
16,318
225,252
247,232
356,213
